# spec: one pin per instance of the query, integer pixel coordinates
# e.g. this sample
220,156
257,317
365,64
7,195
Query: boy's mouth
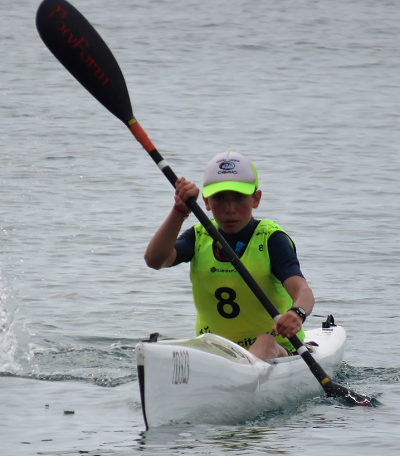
230,222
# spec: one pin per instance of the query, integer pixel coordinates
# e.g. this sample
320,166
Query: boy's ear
206,203
257,198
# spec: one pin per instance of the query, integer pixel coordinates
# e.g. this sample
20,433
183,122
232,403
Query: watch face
300,311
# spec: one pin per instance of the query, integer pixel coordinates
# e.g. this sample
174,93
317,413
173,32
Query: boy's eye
222,197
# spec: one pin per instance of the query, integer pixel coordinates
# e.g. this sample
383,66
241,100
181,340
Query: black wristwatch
300,311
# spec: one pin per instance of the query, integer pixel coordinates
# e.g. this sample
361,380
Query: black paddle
77,45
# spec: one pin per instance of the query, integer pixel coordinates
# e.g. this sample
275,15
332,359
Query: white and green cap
230,171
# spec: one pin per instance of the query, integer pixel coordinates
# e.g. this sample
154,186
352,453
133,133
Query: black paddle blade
77,45
347,396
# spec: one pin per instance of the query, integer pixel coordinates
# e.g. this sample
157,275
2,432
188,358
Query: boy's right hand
183,191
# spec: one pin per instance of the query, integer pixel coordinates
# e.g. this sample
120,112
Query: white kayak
212,380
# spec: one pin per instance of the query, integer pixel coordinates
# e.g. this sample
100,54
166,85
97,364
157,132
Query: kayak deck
209,379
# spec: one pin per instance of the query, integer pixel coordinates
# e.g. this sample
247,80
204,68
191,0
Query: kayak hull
212,380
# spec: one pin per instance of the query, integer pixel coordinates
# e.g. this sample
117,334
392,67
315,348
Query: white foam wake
15,353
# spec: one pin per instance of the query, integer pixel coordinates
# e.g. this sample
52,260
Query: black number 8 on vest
229,301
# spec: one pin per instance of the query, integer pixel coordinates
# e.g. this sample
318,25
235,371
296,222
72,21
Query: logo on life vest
213,269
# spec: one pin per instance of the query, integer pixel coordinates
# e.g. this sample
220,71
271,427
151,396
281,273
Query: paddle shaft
77,45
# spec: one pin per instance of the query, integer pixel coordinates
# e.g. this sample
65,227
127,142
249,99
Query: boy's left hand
288,325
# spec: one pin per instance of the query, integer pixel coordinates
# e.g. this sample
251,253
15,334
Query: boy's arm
285,266
160,252
290,323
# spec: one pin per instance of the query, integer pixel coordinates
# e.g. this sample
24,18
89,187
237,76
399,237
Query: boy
224,303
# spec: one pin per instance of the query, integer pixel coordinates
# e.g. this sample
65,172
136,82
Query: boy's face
232,210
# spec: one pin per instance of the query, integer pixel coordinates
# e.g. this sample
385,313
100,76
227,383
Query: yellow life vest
225,305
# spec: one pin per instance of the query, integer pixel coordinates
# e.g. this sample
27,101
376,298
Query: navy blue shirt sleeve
284,261
184,246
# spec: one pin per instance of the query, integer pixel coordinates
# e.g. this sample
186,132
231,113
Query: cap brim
240,187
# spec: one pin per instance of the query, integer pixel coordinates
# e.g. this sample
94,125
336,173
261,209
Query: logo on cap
226,166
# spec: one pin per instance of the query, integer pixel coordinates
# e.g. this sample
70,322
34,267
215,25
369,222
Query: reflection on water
272,432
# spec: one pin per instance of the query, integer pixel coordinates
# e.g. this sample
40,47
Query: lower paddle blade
349,397
77,45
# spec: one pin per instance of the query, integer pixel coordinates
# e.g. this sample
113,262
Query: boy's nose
230,206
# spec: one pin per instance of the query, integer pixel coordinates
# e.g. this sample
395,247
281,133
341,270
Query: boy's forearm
160,252
305,300
300,292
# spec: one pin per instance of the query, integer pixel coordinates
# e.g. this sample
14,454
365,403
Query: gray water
309,90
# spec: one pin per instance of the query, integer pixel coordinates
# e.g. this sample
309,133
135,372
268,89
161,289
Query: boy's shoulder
268,227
